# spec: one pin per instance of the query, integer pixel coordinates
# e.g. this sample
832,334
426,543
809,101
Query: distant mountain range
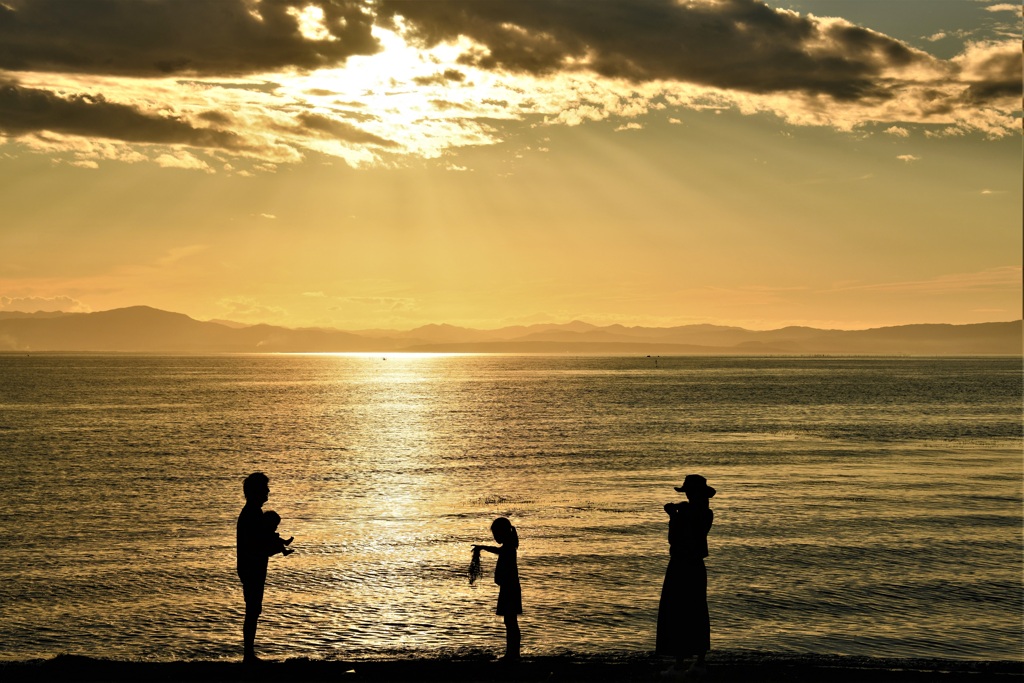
148,330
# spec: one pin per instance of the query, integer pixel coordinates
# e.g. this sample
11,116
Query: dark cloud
160,37
999,76
356,115
740,45
444,78
340,130
448,105
264,87
217,117
734,44
28,110
991,91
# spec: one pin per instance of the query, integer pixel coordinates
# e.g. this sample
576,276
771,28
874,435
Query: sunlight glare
311,23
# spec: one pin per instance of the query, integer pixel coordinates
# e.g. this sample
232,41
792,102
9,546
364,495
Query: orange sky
485,164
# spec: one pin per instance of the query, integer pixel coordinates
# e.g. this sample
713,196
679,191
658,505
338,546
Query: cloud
84,151
30,110
161,37
32,304
271,82
339,130
734,44
1004,7
184,160
948,132
447,77
908,158
992,72
897,131
1007,277
809,70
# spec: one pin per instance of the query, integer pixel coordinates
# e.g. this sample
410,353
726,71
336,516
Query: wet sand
722,668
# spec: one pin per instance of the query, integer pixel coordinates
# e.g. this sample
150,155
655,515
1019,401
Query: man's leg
253,591
249,633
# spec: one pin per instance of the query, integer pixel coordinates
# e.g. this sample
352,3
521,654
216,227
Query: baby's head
271,519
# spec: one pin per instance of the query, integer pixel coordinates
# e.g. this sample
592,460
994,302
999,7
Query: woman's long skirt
684,625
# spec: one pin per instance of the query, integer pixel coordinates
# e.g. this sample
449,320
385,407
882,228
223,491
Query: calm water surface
866,506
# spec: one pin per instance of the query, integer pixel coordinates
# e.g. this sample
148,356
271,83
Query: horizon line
221,321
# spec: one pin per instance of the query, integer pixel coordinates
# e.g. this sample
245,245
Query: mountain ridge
150,330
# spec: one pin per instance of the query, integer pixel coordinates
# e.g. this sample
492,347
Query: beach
722,668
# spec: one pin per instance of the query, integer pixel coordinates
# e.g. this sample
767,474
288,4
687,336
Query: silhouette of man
254,546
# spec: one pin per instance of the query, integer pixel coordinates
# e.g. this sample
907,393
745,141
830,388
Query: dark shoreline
722,667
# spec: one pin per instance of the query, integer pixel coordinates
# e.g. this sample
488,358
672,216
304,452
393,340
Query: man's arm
255,540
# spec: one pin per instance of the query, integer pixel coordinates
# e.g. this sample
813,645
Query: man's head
256,488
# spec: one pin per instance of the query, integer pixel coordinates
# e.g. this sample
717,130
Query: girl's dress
684,625
506,575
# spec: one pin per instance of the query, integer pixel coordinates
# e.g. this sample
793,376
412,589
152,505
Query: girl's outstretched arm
488,548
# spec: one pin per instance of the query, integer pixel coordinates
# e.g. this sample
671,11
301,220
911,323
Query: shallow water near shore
865,506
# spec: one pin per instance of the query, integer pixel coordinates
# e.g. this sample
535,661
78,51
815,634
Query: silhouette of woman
684,626
506,575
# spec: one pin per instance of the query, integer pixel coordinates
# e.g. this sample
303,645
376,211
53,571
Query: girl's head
503,531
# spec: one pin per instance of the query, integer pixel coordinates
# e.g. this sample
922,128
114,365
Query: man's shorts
252,590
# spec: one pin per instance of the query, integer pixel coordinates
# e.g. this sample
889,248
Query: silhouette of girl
506,575
684,626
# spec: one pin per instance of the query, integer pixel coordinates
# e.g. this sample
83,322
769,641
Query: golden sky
387,164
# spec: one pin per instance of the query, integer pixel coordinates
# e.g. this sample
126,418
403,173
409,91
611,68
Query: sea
865,506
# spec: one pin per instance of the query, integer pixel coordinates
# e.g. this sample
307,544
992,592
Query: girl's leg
513,637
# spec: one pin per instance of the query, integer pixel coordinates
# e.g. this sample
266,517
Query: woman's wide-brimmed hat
696,485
